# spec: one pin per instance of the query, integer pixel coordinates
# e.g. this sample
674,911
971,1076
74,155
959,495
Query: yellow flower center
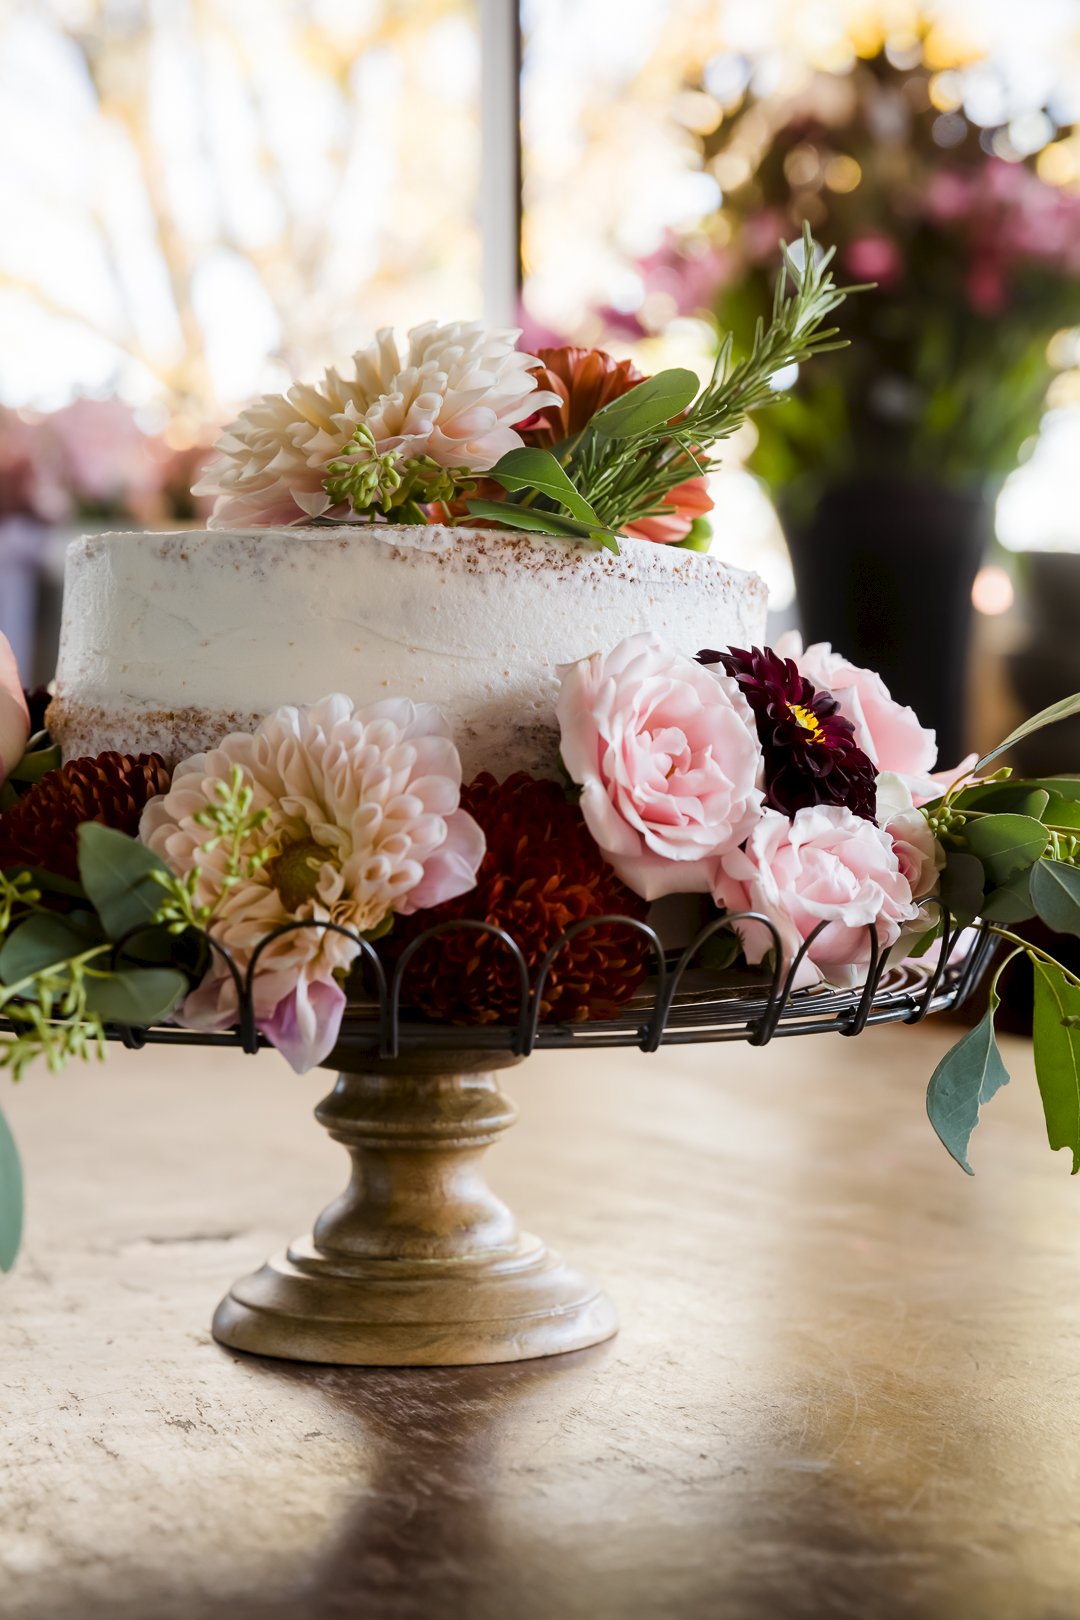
808,720
295,872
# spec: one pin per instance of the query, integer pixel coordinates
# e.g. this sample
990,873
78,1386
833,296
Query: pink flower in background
104,457
14,715
668,761
31,483
363,820
763,232
889,732
875,257
987,288
824,865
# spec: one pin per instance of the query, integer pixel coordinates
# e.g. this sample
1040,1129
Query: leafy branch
639,447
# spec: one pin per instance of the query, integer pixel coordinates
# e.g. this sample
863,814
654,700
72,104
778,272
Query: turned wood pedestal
417,1263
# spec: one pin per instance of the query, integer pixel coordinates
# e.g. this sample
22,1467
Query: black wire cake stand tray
417,1262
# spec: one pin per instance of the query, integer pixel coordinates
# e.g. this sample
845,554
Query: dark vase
884,570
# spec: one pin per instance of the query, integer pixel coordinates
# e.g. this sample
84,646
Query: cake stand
417,1262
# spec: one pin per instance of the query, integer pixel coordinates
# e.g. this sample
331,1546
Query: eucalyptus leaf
137,996
1068,787
35,764
963,885
1006,844
1022,798
1056,1041
1061,710
1062,811
538,469
44,940
1011,902
11,1198
527,517
117,874
967,1077
649,405
1055,894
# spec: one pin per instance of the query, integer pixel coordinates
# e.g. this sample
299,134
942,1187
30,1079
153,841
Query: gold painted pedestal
417,1263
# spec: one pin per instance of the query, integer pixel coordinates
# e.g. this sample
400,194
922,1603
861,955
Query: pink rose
14,715
825,865
667,757
934,784
918,852
889,732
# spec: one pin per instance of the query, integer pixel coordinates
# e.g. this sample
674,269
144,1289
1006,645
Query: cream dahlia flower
362,819
454,398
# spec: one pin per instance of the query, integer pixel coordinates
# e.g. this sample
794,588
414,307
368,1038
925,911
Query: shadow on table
452,1513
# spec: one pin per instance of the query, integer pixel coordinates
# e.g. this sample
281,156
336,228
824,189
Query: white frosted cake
169,641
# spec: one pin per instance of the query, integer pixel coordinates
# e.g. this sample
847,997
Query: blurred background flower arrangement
886,464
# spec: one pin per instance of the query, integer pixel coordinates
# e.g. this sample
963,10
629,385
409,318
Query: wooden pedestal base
417,1263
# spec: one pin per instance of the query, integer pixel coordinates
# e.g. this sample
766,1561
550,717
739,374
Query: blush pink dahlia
454,398
362,820
824,865
667,760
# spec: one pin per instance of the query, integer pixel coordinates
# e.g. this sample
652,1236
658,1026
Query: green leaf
1061,811
1057,1056
1068,787
962,885
117,874
139,996
527,517
1011,902
1006,844
649,405
36,764
43,941
1055,894
539,470
1045,717
51,882
699,536
967,1077
1022,798
11,1198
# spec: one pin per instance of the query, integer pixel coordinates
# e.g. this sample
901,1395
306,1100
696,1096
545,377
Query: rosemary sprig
626,479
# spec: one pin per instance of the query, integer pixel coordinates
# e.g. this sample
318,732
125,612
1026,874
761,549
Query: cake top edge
636,555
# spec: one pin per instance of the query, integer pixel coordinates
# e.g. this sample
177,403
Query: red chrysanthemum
541,874
42,828
811,756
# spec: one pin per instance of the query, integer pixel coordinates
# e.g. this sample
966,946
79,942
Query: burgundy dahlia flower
811,756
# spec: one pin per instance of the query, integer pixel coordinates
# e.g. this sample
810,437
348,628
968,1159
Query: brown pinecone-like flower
542,873
42,828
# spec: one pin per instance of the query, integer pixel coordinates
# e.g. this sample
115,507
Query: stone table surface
847,1384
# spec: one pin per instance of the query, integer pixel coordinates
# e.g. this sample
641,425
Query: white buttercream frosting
170,640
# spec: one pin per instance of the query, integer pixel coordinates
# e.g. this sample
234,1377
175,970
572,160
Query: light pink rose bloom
667,758
363,819
932,786
825,865
921,857
14,715
889,732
